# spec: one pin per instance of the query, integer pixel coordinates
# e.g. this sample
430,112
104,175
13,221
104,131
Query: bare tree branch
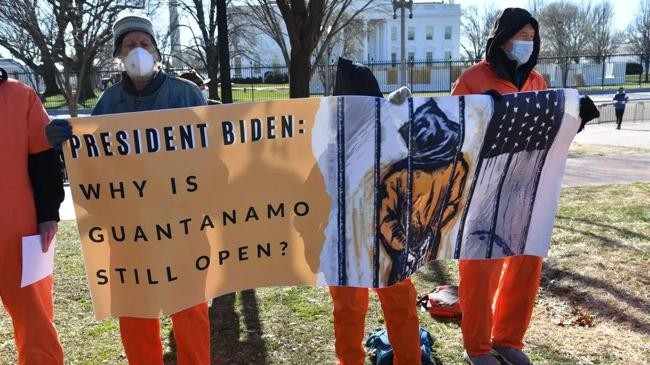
639,34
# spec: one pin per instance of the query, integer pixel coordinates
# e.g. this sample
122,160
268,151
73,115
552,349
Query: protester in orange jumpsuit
511,54
351,304
31,190
145,87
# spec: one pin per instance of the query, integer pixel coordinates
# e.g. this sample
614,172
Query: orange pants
400,313
517,289
30,308
142,344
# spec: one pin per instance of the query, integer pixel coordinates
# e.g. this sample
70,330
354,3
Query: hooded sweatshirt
355,79
497,71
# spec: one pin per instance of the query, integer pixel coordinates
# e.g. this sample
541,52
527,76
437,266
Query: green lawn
58,101
593,307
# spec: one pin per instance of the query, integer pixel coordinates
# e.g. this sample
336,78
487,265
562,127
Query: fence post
565,72
641,73
602,76
451,76
410,84
252,86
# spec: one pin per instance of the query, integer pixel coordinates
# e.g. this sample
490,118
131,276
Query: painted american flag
497,215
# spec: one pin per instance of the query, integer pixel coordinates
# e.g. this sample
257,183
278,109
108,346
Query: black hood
355,79
507,24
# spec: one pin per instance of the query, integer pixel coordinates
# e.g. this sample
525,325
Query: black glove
496,97
58,131
588,111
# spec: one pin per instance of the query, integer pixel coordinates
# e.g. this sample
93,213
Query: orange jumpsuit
516,278
400,313
22,122
142,344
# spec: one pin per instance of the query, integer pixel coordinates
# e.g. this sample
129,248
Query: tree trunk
299,71
212,56
87,88
565,73
647,67
48,72
213,85
224,52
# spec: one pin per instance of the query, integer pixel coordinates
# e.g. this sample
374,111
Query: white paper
36,264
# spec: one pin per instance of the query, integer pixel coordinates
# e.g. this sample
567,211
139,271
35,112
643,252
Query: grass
58,101
593,305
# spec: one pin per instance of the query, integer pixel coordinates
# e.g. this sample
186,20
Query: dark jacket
355,79
507,24
163,92
619,101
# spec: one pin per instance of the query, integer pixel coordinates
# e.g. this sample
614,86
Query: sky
624,10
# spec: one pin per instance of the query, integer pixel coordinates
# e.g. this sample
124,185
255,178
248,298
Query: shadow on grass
603,240
232,343
547,354
436,273
228,345
552,275
625,231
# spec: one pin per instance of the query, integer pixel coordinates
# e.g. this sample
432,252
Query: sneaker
511,356
486,359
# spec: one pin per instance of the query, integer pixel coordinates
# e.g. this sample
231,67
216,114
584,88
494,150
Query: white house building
433,33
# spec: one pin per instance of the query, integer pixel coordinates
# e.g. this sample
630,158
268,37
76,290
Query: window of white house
411,56
393,59
393,34
257,67
429,56
429,32
447,55
609,70
411,34
448,32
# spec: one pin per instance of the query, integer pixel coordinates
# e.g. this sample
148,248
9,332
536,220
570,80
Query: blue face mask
521,51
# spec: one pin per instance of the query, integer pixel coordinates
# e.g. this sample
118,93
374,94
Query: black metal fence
428,77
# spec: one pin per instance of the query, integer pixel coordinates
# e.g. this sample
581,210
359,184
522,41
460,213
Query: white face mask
205,93
139,63
521,51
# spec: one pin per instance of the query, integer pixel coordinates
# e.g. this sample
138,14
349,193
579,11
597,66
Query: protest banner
178,206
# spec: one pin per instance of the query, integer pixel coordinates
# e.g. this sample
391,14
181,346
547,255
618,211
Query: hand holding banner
178,206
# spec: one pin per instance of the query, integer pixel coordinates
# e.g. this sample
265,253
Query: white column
386,47
365,57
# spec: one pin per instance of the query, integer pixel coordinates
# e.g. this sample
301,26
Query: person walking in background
31,191
146,87
620,99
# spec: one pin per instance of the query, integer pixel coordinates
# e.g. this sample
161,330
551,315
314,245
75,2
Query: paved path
631,134
616,169
622,169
